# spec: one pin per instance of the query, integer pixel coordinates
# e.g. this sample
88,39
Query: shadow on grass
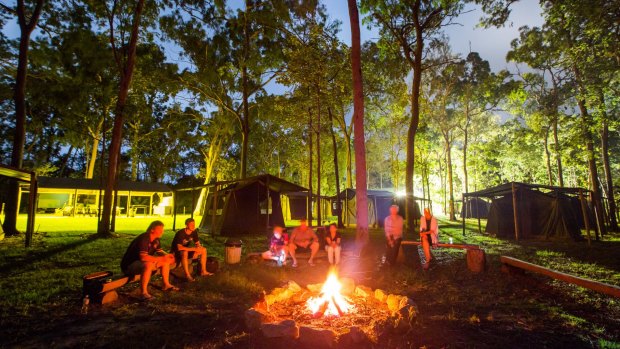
30,257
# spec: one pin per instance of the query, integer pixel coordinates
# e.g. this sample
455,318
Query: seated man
144,255
278,246
428,235
182,251
303,238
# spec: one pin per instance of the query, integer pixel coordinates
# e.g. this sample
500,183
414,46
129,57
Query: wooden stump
476,260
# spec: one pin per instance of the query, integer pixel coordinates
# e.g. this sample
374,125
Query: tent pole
174,209
478,215
214,209
75,204
515,210
586,220
129,201
191,215
32,208
463,216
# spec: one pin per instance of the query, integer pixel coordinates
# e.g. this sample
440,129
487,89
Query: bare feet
170,287
206,273
190,278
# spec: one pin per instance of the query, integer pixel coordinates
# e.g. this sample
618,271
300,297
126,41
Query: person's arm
293,236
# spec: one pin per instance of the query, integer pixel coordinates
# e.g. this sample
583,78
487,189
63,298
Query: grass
40,290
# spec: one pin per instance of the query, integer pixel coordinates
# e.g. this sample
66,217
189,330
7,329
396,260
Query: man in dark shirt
183,252
144,255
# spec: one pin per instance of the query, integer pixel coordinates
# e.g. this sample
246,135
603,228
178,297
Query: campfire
336,311
330,301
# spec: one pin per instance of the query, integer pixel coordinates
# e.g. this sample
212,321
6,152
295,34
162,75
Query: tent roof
506,188
305,194
94,184
275,183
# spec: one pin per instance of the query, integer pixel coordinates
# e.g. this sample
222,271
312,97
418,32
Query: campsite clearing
457,308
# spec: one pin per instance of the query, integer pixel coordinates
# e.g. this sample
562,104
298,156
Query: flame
330,294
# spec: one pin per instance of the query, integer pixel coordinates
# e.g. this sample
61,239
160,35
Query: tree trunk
452,214
556,146
135,153
92,160
358,129
336,172
318,160
465,144
594,183
65,161
19,97
245,129
548,157
117,130
608,178
347,138
310,151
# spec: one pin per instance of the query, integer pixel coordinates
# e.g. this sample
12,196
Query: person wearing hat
303,237
393,227
428,235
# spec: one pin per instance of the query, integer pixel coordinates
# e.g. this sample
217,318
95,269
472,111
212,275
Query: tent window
264,206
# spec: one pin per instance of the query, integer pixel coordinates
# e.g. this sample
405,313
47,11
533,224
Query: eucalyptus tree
537,49
410,28
27,16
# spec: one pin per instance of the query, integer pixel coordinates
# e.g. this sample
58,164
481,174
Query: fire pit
336,311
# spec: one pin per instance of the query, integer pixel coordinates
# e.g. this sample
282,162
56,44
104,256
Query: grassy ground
40,291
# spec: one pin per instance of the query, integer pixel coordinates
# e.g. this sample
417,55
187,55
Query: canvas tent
474,208
525,211
295,205
379,202
246,206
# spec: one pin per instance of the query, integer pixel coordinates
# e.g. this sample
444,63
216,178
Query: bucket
232,251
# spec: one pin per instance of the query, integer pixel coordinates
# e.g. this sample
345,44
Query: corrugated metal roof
95,184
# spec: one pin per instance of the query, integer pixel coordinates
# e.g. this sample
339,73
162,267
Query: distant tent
475,208
379,202
542,211
246,206
295,205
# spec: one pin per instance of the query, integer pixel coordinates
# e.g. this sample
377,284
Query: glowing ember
330,301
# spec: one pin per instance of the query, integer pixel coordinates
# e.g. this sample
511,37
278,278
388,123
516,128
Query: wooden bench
512,265
102,289
476,258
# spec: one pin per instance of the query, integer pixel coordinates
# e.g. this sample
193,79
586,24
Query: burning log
322,309
340,313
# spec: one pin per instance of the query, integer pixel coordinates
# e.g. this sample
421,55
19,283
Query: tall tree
27,19
125,60
361,200
409,27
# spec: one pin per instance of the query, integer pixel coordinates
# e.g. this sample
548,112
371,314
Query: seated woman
278,246
332,244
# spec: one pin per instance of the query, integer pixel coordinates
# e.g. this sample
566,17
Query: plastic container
232,249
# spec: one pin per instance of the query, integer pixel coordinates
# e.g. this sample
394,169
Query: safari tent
246,206
379,202
527,211
475,208
295,205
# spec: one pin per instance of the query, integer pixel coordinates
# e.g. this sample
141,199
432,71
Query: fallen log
459,246
586,283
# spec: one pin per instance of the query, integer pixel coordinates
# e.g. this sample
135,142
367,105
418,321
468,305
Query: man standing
393,226
144,255
428,235
303,237
184,253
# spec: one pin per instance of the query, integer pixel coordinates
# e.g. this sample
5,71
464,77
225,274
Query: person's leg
165,272
337,254
145,277
388,253
291,250
314,248
267,255
427,251
330,256
203,261
396,249
185,264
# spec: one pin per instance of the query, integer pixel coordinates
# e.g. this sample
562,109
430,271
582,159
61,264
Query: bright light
330,301
401,193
